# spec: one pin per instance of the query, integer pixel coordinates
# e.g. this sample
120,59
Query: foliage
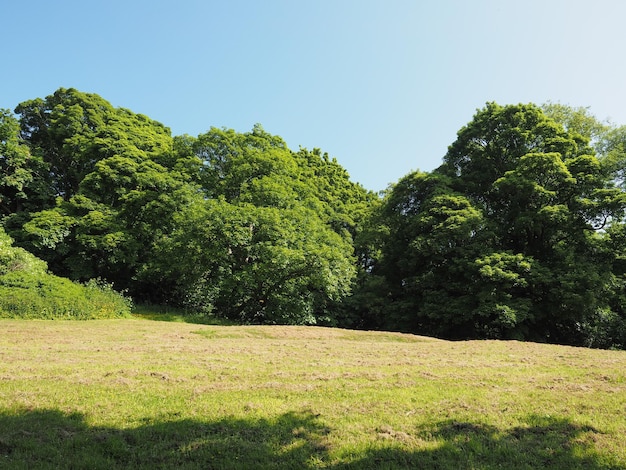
71,131
108,169
255,264
20,185
133,205
508,238
27,290
48,297
262,245
17,259
518,234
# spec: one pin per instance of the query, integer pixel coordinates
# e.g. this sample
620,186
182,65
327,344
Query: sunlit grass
146,394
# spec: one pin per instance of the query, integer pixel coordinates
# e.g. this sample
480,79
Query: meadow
145,394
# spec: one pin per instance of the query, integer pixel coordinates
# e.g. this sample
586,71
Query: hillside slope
146,394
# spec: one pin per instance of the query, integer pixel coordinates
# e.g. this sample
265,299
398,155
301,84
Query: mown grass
146,394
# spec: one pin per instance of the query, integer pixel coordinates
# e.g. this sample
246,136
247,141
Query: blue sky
383,86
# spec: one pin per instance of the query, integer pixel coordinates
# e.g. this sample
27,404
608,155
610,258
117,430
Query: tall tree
494,141
273,252
233,223
431,237
256,264
20,172
508,238
71,131
111,176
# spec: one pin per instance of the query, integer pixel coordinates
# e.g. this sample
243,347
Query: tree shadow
176,315
542,443
50,439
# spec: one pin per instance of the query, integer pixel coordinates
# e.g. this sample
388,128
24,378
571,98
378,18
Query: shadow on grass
169,314
50,439
543,443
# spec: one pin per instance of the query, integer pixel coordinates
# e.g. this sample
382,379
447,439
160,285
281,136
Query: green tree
494,141
114,178
431,237
71,131
20,173
231,222
256,264
109,229
256,181
509,237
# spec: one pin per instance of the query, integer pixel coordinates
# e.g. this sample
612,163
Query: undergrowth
29,291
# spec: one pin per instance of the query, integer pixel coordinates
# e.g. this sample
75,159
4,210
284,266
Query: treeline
518,234
231,224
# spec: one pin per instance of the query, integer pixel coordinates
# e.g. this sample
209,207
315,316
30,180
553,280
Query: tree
508,238
226,222
267,194
256,264
114,178
274,248
431,237
494,141
71,131
109,228
20,180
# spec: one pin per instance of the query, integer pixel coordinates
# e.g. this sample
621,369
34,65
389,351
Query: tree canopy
518,234
226,222
509,238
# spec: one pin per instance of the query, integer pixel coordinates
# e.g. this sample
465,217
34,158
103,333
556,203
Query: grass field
146,394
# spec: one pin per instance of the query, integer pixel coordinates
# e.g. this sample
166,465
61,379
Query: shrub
28,291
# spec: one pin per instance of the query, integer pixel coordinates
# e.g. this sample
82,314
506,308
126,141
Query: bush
606,330
28,291
45,296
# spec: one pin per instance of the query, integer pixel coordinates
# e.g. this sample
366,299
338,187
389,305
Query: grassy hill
148,394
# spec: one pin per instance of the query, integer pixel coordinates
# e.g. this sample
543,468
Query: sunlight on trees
518,234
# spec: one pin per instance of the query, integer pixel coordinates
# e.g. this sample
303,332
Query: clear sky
381,85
